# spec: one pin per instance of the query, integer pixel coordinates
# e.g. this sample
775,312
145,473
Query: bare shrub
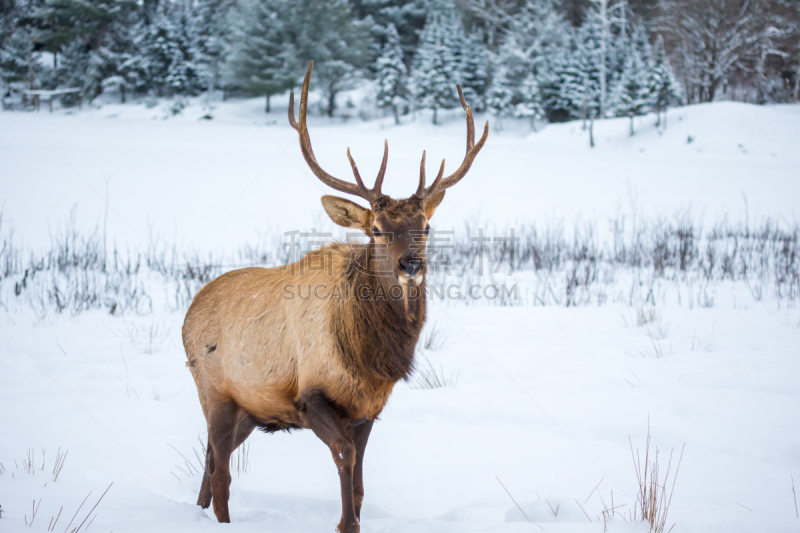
638,262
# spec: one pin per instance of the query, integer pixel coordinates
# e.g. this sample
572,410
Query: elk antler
440,184
358,188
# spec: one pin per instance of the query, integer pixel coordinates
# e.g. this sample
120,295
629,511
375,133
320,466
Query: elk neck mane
376,332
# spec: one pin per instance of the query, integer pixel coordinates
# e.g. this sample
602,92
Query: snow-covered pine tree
553,81
664,88
572,90
157,50
500,95
212,34
262,60
167,54
19,63
474,71
392,74
329,32
187,64
530,105
632,94
640,42
436,70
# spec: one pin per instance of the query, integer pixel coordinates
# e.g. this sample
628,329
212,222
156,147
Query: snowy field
532,431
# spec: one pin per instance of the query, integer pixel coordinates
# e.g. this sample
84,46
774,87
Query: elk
265,354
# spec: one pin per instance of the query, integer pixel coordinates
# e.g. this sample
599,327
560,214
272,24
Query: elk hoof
348,527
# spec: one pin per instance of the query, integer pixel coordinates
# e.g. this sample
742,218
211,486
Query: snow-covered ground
544,400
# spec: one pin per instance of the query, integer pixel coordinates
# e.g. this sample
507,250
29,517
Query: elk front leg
322,418
360,434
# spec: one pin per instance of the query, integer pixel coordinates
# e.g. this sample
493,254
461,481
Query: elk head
398,229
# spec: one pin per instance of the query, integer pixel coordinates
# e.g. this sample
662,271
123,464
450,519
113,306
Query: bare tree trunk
434,116
584,107
797,84
712,89
396,115
591,131
122,92
331,103
267,108
631,125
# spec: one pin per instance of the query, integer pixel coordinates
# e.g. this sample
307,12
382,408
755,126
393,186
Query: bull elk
263,357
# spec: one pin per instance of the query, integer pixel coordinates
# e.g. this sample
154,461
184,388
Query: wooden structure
38,95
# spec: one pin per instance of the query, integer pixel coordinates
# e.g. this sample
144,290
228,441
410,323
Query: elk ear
346,213
433,203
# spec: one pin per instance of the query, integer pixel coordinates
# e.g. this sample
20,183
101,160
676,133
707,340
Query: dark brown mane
377,334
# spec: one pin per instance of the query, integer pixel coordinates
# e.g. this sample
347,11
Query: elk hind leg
222,436
204,498
244,427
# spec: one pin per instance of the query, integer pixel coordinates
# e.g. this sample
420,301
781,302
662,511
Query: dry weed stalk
518,507
52,525
34,510
428,376
653,498
59,464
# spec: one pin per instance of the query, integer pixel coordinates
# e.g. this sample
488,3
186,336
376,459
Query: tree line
553,59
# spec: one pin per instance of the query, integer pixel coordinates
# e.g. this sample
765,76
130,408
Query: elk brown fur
318,344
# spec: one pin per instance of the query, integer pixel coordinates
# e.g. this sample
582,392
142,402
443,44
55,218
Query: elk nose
410,265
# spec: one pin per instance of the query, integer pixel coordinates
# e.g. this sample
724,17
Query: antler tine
356,189
376,189
470,123
435,183
355,170
472,150
421,188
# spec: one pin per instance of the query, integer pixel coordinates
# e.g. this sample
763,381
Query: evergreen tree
632,94
436,68
570,87
56,23
474,71
327,32
530,105
157,50
664,88
500,95
167,52
392,74
263,62
186,65
19,63
212,34
407,15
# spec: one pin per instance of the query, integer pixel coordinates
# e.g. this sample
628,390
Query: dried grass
653,497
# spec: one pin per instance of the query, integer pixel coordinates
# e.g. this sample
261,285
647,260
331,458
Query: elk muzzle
410,265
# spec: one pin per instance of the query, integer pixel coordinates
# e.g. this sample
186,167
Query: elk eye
428,229
376,231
